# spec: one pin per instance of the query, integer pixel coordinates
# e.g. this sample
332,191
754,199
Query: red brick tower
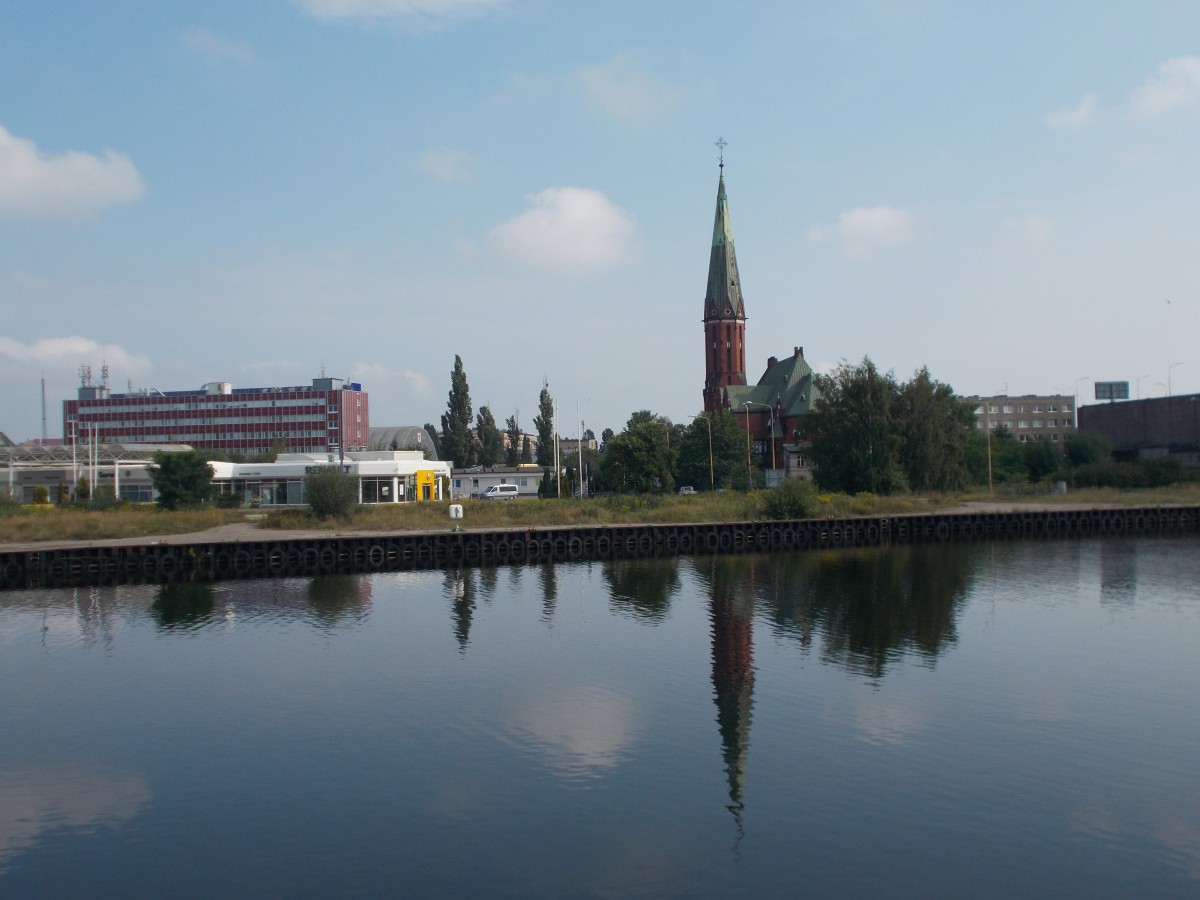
724,314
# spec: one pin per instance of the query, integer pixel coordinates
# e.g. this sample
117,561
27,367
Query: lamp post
768,408
1169,368
987,417
1139,385
749,471
1077,383
712,481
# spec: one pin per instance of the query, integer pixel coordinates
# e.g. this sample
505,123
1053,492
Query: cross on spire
721,144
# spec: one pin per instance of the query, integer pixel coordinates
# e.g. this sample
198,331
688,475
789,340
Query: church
772,410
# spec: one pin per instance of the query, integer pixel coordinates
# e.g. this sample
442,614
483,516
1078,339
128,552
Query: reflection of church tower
733,673
724,314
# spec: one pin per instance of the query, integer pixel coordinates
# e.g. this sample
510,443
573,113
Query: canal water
982,720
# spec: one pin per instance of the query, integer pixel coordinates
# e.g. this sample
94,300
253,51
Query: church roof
724,296
787,383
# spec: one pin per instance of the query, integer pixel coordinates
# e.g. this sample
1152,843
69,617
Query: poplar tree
544,423
491,447
455,442
512,452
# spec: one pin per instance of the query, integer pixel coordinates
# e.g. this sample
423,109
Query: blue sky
256,191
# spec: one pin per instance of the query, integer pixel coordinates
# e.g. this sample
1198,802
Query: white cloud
72,351
385,10
568,228
445,165
71,185
1074,116
623,90
1174,84
866,232
218,49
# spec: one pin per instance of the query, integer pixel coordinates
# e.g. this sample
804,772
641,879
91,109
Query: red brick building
327,415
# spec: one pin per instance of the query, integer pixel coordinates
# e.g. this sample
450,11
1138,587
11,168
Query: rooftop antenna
721,144
85,376
43,407
104,375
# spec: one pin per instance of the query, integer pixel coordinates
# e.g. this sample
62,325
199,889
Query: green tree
512,430
728,463
855,444
83,490
1086,448
331,493
182,480
456,444
934,426
543,422
526,450
431,430
491,445
1043,460
641,458
605,437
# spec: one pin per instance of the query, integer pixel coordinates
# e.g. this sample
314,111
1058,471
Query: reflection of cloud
580,731
39,798
1160,824
888,724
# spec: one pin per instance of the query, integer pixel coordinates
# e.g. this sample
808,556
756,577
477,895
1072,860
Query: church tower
724,314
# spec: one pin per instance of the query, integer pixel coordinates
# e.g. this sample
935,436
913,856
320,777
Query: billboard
1112,390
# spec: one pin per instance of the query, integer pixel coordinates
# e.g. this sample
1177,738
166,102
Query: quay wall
161,563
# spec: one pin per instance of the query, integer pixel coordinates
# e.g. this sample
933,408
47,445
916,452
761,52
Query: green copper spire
724,296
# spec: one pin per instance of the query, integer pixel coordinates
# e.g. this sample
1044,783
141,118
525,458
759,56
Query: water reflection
731,612
183,605
642,588
1118,572
40,799
459,585
871,605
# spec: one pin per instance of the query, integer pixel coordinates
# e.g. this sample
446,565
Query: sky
262,192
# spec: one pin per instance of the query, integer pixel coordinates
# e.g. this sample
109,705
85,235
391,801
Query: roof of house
787,384
404,436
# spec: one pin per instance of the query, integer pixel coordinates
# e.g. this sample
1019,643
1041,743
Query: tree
1087,447
182,480
526,450
606,436
855,445
456,444
491,446
728,462
1043,460
432,431
330,492
512,430
543,422
641,458
934,426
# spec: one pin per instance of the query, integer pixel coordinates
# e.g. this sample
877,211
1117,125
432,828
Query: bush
794,499
1110,474
1162,471
41,495
331,493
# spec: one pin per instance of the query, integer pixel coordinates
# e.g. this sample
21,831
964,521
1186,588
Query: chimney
799,351
771,361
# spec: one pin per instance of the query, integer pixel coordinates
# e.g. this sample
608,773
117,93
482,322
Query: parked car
501,492
686,491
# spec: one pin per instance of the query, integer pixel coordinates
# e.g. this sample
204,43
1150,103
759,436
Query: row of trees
485,444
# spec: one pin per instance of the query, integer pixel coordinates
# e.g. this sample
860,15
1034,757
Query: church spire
724,311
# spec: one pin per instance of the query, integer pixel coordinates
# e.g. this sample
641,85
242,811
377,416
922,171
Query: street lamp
769,409
1139,385
712,481
1077,381
749,471
1169,368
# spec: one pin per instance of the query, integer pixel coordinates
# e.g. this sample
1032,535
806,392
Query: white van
501,492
